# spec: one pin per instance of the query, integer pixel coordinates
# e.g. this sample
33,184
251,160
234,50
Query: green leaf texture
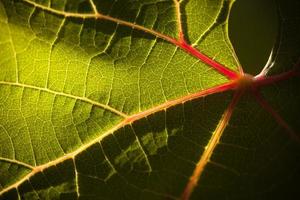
97,102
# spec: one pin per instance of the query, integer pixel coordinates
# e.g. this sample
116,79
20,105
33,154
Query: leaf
143,100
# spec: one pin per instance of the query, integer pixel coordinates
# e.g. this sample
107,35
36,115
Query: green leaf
143,100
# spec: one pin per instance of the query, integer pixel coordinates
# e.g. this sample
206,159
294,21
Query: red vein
218,89
101,16
128,120
205,157
264,80
276,116
214,64
181,43
259,81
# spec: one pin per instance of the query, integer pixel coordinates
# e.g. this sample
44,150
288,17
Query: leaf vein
13,161
101,16
126,121
84,99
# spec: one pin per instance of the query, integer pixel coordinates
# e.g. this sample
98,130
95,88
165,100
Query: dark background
253,27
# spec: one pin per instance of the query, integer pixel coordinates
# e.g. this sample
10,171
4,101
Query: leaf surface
142,100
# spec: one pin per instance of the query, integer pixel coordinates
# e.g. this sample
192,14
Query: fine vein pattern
138,99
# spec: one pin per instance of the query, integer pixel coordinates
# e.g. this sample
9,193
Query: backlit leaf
143,99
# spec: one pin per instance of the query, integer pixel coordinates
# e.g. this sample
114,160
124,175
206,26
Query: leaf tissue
144,99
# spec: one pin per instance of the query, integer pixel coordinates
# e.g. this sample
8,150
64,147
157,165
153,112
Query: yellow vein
234,171
126,121
179,23
51,49
180,43
14,54
208,29
94,6
76,179
84,99
68,156
227,39
205,157
143,150
105,17
17,162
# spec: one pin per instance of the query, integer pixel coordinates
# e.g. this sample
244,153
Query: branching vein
205,157
179,22
22,85
180,43
16,162
126,121
94,7
101,16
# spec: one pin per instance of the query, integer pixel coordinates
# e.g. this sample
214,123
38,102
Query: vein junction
205,157
239,82
178,42
85,99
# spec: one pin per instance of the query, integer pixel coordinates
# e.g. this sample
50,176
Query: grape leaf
143,100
